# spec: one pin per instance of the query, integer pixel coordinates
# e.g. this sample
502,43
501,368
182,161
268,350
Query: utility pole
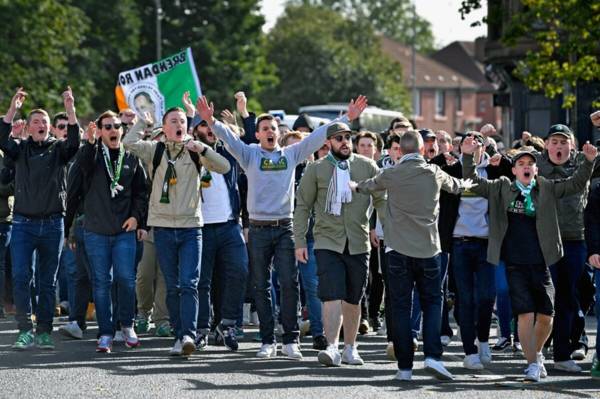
413,72
158,30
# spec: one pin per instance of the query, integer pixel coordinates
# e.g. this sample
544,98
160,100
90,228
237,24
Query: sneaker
595,367
517,348
119,337
292,351
568,365
403,375
24,341
267,350
228,336
415,344
142,326
540,361
44,341
71,330
104,344
364,327
350,356
473,362
163,330
437,369
187,345
319,343
330,356
239,333
502,345
382,330
176,350
131,338
579,353
389,351
532,373
485,355
304,326
201,341
445,340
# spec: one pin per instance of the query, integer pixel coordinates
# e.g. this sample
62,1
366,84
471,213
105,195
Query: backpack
158,154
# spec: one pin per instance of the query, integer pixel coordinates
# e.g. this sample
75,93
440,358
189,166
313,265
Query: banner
159,86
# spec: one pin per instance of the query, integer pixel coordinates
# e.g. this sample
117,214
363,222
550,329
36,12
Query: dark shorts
342,276
530,288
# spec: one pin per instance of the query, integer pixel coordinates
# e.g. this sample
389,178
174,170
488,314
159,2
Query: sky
443,15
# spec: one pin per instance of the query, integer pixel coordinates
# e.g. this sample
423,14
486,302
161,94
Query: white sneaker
578,354
403,375
119,337
330,356
350,356
188,346
568,365
389,351
437,369
292,351
131,338
473,362
532,373
176,350
382,330
445,340
485,354
267,350
71,330
540,362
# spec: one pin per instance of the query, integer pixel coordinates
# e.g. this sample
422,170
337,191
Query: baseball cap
427,134
559,129
337,127
524,151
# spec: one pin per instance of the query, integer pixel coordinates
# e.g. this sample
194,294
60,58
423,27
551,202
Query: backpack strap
158,154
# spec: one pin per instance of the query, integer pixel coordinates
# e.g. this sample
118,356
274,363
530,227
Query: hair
395,120
58,117
172,109
263,117
445,136
537,143
366,134
36,111
411,142
393,138
292,134
105,114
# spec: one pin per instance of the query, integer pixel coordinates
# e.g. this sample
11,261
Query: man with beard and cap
341,238
115,204
175,214
524,232
39,208
271,170
560,160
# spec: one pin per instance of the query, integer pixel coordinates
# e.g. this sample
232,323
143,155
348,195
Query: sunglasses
61,126
341,137
109,126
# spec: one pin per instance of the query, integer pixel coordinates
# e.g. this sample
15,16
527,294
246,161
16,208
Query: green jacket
546,194
332,232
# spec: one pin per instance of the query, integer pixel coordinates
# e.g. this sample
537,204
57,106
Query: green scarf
170,175
113,174
526,192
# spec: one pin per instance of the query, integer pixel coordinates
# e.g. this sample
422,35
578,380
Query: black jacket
103,214
41,171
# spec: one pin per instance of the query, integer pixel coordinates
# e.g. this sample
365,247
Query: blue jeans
223,247
310,281
45,236
5,233
66,273
476,285
112,255
82,285
403,273
565,276
179,252
276,244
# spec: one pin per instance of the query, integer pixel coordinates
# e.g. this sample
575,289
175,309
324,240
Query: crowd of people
202,226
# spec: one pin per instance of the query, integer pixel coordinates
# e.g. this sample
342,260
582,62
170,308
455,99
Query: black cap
427,134
559,129
524,151
303,120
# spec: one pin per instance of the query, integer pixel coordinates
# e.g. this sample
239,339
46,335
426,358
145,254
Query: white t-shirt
216,207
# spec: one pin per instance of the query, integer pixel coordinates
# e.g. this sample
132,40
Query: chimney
480,48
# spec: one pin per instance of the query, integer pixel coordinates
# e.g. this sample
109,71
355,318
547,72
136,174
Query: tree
323,57
395,19
226,39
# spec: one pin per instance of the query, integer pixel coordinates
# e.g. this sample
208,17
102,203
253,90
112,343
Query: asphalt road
74,369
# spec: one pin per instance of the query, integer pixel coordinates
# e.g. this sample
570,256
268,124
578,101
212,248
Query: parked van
373,118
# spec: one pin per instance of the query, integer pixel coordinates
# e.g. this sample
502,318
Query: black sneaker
201,341
227,334
320,343
502,345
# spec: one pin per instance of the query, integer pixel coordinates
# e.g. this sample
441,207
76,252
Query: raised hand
92,133
228,117
590,151
69,101
205,110
241,104
495,159
148,119
594,260
15,104
595,117
356,107
467,184
190,111
469,145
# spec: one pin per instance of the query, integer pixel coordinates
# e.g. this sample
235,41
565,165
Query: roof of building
461,57
429,72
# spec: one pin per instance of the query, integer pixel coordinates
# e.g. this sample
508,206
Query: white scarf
410,156
339,191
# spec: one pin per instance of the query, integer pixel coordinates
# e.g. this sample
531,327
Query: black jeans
403,273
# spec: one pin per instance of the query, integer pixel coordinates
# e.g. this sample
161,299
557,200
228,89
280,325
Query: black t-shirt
521,245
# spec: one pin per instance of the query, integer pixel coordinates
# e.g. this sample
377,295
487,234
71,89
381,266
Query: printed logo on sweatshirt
267,165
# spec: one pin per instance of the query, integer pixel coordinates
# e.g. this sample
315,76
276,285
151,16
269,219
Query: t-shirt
521,245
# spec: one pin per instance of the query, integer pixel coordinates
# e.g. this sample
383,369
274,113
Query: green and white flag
158,86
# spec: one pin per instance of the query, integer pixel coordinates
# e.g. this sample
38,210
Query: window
482,106
440,103
417,103
458,100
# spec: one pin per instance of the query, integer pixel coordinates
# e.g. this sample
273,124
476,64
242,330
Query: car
373,118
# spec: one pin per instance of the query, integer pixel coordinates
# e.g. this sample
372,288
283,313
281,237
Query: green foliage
323,57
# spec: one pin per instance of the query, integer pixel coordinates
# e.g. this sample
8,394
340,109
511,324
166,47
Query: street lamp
158,30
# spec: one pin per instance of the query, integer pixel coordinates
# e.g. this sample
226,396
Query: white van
373,119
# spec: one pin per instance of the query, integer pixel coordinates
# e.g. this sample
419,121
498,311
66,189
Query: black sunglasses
339,138
109,126
61,126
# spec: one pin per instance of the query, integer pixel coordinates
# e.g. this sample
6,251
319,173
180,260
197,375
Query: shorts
342,276
530,288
